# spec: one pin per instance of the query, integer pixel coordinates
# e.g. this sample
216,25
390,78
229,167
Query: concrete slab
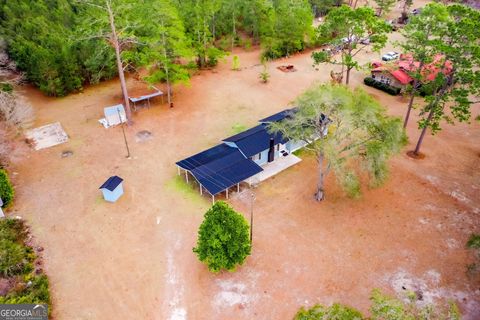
272,168
47,136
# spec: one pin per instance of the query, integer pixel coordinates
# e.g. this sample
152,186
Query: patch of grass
237,128
189,191
474,241
477,118
302,153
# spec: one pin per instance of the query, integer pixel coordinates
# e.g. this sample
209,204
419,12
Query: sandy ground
134,258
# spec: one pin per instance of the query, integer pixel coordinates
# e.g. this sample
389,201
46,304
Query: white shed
115,115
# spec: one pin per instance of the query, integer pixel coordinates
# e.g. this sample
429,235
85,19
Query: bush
6,189
17,262
336,311
223,238
369,81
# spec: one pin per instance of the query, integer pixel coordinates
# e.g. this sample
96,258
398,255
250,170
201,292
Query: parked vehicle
390,56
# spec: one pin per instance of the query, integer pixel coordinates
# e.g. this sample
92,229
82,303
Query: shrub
369,81
17,262
6,189
223,238
236,63
336,311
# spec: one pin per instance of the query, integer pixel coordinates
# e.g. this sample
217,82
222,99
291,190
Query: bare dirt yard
134,258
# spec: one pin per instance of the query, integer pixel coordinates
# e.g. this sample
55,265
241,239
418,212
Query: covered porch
272,168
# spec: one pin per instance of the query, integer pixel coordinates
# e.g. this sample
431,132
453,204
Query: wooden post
186,175
226,191
238,187
213,199
201,190
178,170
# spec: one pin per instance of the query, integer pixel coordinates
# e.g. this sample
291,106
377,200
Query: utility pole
123,130
253,185
252,200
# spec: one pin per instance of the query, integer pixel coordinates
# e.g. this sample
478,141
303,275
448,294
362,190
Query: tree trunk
165,67
433,105
320,193
424,130
347,78
121,75
412,95
234,32
409,109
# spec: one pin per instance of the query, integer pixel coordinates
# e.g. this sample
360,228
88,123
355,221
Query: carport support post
178,170
213,199
226,192
186,175
201,190
238,187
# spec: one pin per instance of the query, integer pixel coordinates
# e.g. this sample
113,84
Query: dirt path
134,257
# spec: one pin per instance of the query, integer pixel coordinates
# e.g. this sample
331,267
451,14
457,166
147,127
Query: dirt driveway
134,259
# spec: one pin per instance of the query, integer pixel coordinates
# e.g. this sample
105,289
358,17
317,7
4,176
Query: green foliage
474,241
36,293
382,307
344,28
39,38
334,312
17,260
6,189
357,136
385,6
292,29
223,238
264,75
235,63
446,35
369,81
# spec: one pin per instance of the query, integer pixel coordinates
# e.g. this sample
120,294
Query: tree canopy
456,85
223,238
346,29
60,44
348,131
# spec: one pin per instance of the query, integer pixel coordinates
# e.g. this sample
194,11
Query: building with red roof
396,74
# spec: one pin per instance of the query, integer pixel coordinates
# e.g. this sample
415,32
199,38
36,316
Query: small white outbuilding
115,115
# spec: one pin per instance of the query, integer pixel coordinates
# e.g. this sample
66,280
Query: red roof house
396,74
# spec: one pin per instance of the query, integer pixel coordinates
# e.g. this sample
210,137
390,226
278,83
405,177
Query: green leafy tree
292,29
347,131
6,189
345,28
118,23
223,238
322,7
420,36
164,44
453,93
198,18
384,6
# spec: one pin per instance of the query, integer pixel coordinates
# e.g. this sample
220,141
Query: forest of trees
60,44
